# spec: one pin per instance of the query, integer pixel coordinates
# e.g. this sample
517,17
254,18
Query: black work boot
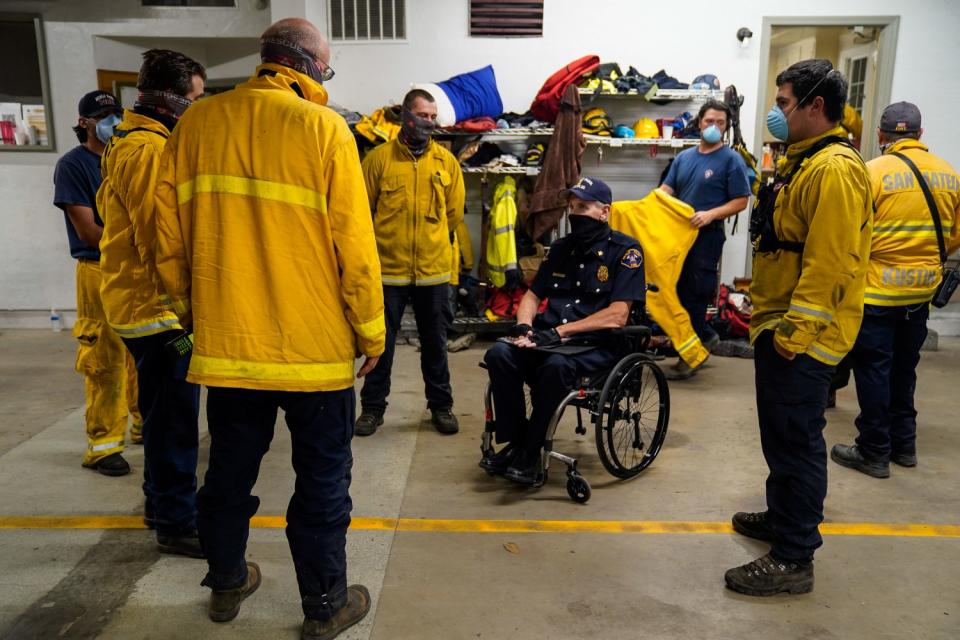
111,465
367,423
498,463
357,606
444,420
225,604
753,525
904,459
187,544
851,457
768,576
525,469
149,515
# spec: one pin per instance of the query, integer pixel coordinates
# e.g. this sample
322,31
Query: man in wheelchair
590,278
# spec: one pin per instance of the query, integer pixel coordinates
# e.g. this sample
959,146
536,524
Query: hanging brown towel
561,168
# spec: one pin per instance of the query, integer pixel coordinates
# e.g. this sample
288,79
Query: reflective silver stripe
393,280
504,268
906,227
807,311
160,324
688,344
503,229
917,295
826,356
105,445
434,279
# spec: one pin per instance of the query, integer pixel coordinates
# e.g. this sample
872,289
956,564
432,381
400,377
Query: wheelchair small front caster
578,488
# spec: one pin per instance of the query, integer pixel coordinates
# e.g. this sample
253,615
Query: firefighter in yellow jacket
812,241
265,246
109,377
903,275
416,194
135,309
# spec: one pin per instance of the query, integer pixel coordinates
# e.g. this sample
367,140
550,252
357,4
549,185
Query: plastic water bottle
55,323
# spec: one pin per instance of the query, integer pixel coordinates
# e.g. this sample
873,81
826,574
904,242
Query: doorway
862,48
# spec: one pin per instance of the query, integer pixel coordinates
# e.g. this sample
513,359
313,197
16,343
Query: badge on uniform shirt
603,274
632,259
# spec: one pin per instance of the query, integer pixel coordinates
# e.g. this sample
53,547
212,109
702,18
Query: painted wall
36,273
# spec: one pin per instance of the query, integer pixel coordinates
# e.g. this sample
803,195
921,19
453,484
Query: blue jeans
791,400
885,359
170,407
241,425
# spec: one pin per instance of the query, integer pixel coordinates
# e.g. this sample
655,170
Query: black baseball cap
98,103
900,117
592,189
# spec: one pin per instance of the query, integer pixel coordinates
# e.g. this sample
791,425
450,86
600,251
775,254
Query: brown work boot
357,606
225,605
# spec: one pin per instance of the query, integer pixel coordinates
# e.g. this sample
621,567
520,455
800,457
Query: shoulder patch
632,259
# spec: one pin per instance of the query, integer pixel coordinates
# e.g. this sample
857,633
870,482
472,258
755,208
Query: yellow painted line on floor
429,525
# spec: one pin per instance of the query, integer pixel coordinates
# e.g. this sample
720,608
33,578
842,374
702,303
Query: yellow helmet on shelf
597,122
646,129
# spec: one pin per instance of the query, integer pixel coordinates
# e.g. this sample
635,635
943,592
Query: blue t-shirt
76,181
708,180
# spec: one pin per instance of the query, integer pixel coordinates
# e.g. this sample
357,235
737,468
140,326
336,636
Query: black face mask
587,230
416,130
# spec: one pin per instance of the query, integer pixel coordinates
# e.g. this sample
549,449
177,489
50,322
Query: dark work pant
241,428
551,376
169,406
885,359
431,308
791,400
697,285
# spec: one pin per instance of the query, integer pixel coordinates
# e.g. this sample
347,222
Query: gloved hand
545,337
514,279
520,330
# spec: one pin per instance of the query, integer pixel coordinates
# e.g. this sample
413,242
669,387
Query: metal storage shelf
530,171
662,94
610,141
520,132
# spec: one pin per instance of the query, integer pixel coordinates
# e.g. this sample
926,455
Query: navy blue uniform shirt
76,181
579,281
708,180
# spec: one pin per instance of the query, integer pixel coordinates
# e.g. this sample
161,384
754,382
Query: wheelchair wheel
578,488
632,415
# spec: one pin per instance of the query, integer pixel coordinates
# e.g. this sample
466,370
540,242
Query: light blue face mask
777,119
106,126
711,135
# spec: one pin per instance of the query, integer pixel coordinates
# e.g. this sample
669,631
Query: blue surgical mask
777,123
711,135
106,126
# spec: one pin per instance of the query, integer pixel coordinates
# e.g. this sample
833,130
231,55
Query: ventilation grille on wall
367,19
506,18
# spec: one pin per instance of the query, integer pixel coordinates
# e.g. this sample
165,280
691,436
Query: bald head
302,33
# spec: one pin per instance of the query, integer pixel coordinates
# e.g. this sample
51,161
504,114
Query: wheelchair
628,406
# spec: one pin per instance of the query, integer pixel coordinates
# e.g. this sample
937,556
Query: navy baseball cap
706,81
98,103
592,189
900,117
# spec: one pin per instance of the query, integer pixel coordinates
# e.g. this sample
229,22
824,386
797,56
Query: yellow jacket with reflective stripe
501,234
661,223
814,300
377,127
904,255
264,236
130,289
417,203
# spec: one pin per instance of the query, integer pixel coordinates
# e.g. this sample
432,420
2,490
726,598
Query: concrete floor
112,584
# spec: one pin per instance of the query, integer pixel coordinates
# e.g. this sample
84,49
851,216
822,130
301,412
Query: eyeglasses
327,73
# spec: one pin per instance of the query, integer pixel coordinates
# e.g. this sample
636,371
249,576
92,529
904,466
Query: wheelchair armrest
632,330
